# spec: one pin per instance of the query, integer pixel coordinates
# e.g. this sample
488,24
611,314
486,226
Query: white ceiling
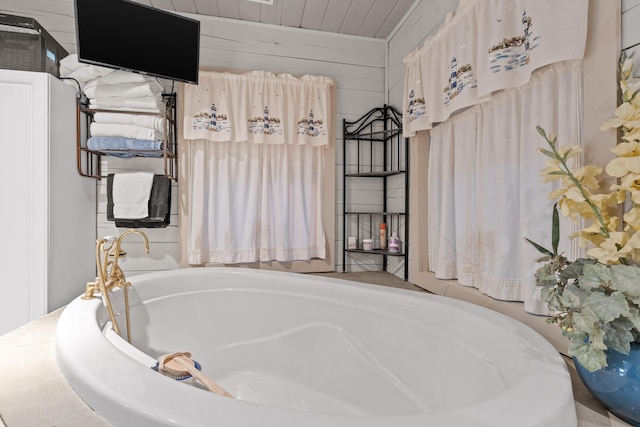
366,18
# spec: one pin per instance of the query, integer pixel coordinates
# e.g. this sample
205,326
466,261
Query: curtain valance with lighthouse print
485,46
258,107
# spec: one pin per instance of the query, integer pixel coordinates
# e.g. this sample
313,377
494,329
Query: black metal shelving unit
381,153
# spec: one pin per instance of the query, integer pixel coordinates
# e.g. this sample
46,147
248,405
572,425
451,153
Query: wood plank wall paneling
629,4
630,28
357,65
249,37
56,17
423,21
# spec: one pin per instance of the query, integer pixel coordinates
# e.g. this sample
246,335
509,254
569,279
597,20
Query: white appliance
48,211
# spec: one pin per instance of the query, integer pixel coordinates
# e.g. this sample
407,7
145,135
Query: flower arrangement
596,300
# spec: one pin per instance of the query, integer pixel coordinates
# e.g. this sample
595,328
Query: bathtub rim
76,344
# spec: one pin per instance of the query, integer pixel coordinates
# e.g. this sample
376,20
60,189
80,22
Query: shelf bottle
383,236
394,244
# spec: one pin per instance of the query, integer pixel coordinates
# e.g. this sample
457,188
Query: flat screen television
130,36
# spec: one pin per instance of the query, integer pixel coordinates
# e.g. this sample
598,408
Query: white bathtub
304,351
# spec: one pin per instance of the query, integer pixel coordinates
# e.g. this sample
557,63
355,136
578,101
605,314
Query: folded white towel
83,73
125,131
121,76
144,120
150,104
69,64
129,90
130,193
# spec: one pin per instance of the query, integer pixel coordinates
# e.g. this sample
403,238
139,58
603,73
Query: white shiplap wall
630,29
357,65
421,22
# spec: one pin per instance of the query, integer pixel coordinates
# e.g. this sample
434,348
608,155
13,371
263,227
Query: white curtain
256,145
485,190
484,47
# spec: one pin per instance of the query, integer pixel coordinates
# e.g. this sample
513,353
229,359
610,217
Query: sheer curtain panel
485,193
256,144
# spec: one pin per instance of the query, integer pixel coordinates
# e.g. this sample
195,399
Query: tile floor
33,393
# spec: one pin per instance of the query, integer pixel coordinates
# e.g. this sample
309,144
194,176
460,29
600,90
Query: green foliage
596,305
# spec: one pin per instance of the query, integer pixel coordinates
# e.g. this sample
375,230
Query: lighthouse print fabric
458,70
258,107
415,116
486,46
522,36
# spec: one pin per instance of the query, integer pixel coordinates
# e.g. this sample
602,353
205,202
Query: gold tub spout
117,252
110,275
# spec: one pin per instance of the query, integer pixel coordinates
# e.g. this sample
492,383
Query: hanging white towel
131,192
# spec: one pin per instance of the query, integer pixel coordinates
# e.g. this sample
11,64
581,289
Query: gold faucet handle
91,288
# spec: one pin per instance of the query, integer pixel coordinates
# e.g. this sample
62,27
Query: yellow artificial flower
572,209
587,175
620,166
591,234
605,203
611,124
626,68
549,173
574,196
626,149
628,187
633,245
633,135
632,218
634,194
569,151
627,112
607,252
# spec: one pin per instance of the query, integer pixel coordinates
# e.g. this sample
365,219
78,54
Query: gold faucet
110,275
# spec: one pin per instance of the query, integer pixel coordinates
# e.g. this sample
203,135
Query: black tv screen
130,36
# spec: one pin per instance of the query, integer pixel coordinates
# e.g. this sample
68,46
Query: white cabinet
48,211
